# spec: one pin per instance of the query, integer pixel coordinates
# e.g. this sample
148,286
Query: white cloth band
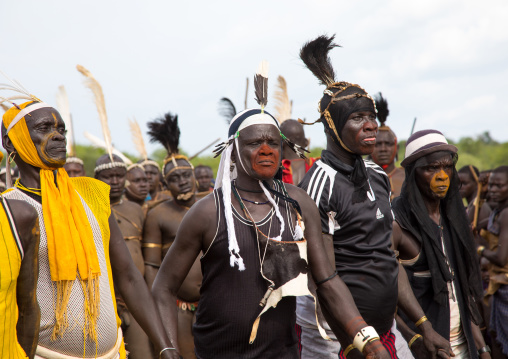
363,337
258,119
45,353
77,160
25,112
415,145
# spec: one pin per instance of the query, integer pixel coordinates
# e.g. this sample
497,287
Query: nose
265,149
370,125
441,175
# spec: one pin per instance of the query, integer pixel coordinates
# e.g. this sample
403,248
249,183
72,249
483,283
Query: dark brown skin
27,223
498,190
469,190
384,155
128,280
431,181
153,177
293,130
199,226
137,190
162,224
204,177
74,170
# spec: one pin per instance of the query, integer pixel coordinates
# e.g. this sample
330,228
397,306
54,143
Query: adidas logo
379,215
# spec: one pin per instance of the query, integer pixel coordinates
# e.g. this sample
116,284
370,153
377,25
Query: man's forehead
498,177
136,173
440,156
120,171
259,131
43,114
151,168
179,171
385,136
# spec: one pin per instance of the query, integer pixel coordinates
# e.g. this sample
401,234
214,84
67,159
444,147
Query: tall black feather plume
165,130
382,109
261,84
315,56
227,109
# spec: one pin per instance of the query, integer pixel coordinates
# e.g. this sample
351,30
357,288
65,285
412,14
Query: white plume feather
137,138
96,88
282,103
96,141
62,103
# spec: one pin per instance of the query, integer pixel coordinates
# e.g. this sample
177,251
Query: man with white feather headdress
81,247
255,244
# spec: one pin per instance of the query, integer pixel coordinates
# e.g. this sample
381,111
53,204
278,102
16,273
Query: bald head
293,130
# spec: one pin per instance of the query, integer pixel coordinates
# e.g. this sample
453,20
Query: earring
11,156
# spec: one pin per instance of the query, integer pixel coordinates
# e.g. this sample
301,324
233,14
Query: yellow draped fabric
71,247
10,264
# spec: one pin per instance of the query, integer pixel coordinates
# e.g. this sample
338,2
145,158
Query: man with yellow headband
163,221
19,243
81,246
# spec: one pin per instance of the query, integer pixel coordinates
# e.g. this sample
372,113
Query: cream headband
26,111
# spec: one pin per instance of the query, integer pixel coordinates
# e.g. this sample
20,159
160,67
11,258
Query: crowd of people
279,256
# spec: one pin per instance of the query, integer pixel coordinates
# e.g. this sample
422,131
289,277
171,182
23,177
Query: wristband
414,339
421,321
485,349
163,350
364,336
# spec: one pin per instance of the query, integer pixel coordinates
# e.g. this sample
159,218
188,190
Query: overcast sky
444,62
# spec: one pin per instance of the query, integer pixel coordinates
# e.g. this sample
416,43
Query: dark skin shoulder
27,224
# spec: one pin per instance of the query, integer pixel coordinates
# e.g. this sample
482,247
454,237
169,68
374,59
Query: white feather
96,141
62,103
263,68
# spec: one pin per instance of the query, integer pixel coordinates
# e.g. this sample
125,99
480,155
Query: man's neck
471,197
187,203
115,200
153,193
339,152
390,168
29,175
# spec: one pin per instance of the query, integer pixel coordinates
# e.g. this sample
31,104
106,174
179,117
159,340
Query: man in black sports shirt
353,197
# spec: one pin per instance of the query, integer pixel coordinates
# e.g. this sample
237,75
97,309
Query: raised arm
132,287
152,247
178,261
27,328
344,318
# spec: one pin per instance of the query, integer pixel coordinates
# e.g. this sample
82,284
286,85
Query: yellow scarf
71,246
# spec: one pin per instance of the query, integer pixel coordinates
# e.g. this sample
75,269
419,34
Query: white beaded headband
108,166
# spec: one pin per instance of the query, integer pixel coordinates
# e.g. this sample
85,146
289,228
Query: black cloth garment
361,235
411,213
229,301
340,112
421,283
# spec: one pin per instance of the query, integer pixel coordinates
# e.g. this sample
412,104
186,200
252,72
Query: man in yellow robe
81,247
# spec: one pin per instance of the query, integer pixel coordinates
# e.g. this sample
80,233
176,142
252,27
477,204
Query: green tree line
481,151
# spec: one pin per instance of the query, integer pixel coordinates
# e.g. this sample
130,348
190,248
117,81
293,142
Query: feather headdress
261,85
283,106
96,88
137,138
62,103
227,109
382,109
96,141
15,86
315,56
165,130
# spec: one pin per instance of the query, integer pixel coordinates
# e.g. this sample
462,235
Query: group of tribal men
288,257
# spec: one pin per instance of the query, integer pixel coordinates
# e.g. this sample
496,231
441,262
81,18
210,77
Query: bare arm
344,319
26,292
152,247
134,291
500,256
178,261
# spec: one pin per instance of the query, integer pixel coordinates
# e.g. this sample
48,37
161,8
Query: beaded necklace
36,191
